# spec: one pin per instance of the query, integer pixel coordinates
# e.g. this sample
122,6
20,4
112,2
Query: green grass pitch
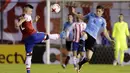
42,68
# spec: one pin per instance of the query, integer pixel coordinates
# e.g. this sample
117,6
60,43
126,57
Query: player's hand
37,18
21,20
112,43
21,17
73,10
62,35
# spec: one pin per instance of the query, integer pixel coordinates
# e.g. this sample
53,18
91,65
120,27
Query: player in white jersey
77,28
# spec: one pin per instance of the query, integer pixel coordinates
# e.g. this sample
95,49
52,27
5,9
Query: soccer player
77,28
69,39
29,35
95,22
120,33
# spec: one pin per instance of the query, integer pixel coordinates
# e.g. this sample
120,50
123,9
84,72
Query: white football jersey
77,28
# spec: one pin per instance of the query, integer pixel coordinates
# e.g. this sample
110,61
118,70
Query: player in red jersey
29,35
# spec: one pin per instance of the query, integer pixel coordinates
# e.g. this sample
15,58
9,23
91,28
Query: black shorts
89,43
68,45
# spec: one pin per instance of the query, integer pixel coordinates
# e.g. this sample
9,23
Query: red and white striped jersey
78,28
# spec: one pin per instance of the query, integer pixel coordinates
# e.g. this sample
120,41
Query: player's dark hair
121,14
100,7
78,13
70,14
28,5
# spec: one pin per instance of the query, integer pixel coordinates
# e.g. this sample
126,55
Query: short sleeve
86,17
104,24
64,26
84,26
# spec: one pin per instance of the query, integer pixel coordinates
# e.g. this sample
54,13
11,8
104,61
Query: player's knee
89,58
29,54
84,35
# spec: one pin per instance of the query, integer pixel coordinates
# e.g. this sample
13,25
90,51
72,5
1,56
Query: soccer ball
55,8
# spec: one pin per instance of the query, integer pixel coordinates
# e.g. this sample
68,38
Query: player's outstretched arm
77,15
36,19
108,37
22,19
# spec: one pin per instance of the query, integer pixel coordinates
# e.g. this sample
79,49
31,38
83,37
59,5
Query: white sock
81,58
74,60
28,61
54,36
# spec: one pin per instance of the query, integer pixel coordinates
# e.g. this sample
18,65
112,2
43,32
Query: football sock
54,36
74,60
84,61
28,63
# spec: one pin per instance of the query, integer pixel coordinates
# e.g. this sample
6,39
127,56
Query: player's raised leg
30,43
41,36
54,36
